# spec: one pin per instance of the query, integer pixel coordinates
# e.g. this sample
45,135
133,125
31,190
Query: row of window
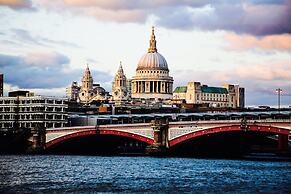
31,125
32,109
214,95
153,72
221,105
210,98
39,101
213,99
33,117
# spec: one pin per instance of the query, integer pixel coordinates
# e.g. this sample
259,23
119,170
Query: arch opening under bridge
222,129
231,141
101,141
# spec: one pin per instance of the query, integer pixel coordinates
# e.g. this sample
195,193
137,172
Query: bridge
170,134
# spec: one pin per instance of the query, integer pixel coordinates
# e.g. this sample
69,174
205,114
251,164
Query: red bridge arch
101,132
222,129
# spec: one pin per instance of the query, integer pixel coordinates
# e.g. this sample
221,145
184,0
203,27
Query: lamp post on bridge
279,90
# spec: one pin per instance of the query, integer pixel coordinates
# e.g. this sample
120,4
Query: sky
46,44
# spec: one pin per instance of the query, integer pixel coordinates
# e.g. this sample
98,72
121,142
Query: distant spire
153,46
120,69
87,72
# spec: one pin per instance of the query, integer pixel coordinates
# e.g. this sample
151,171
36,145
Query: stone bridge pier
161,139
36,140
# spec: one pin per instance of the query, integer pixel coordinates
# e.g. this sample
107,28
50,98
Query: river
90,174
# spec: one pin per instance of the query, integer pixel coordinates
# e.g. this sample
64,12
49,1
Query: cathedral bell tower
86,91
119,86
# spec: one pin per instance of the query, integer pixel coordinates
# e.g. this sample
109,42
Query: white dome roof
152,61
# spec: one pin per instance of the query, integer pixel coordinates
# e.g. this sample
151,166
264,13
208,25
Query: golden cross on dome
153,42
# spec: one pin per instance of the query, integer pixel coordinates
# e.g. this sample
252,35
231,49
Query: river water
90,174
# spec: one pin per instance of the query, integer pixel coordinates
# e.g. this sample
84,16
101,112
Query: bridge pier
282,143
161,141
37,140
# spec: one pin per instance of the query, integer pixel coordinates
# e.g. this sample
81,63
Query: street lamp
279,90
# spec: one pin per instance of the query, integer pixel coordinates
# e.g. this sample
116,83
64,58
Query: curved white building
152,80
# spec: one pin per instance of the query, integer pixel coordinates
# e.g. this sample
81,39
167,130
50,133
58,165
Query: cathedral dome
152,80
153,61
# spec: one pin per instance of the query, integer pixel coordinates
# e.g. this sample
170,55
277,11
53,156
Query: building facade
33,111
152,80
88,92
72,92
194,93
119,86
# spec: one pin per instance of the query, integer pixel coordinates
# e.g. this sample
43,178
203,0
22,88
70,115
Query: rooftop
180,89
206,89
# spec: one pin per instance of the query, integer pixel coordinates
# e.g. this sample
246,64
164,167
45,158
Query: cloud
48,91
273,71
250,16
132,4
47,59
37,91
16,4
42,72
271,42
237,17
114,15
26,37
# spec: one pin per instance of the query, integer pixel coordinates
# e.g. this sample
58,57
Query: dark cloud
257,17
24,72
260,18
9,61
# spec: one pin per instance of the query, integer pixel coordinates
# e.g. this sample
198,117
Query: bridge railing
181,123
234,121
111,126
